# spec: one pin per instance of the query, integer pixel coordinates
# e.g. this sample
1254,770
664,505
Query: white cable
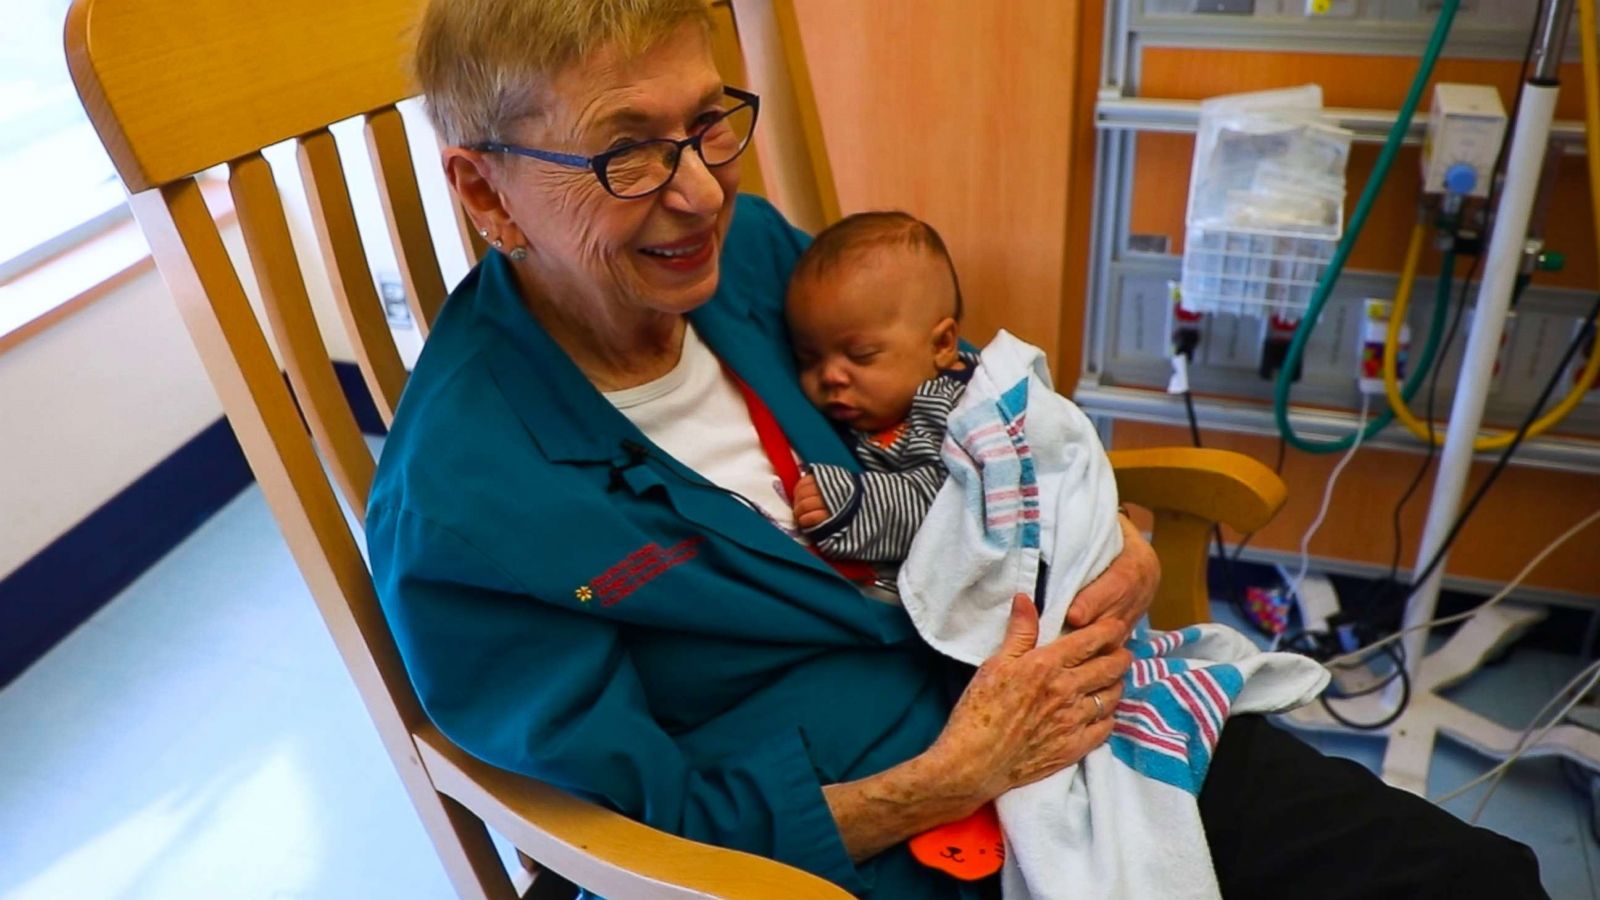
1523,744
1505,592
1592,672
1327,501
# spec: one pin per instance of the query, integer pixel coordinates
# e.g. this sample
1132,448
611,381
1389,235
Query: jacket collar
570,420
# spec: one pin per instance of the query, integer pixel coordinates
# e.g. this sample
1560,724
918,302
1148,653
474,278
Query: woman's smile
688,254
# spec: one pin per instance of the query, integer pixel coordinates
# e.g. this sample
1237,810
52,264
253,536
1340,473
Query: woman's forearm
1028,711
876,813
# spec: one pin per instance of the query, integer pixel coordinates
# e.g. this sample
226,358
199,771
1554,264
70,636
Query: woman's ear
946,344
472,179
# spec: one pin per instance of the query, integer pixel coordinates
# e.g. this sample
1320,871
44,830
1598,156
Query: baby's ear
946,343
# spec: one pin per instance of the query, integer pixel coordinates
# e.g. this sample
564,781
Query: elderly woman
592,575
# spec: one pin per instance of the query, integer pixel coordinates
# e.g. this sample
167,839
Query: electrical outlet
1374,338
395,308
1185,328
1279,332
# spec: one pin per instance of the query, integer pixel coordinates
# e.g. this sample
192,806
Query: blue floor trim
69,580
355,391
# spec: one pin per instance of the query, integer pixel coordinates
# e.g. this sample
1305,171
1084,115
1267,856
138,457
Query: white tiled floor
199,738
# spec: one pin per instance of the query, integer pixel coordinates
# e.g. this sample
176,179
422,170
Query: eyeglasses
640,169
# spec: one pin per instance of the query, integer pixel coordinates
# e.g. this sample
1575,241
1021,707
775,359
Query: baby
873,307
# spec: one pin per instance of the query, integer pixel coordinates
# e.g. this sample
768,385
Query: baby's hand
809,510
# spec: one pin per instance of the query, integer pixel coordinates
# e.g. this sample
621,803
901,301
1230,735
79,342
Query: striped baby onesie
875,513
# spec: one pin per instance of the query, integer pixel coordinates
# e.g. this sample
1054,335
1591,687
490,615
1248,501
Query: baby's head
872,308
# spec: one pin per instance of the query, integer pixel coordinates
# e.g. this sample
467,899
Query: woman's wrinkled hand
1123,592
1030,711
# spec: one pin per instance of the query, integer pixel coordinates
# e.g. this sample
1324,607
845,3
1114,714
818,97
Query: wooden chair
175,88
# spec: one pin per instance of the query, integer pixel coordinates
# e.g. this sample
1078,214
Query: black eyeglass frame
600,161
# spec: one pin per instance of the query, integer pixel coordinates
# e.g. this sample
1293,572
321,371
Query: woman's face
655,254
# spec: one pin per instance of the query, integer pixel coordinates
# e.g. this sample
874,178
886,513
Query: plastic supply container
1266,203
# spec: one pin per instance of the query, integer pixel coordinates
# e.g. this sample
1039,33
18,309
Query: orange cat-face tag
969,849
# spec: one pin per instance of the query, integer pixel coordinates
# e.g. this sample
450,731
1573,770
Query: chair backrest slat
794,158
730,65
194,262
250,75
346,260
402,206
190,253
288,307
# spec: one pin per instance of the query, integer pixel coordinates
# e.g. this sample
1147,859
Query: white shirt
696,413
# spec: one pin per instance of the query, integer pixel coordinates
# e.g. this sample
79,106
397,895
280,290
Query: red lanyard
778,451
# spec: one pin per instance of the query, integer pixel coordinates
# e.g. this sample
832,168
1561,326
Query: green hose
1358,219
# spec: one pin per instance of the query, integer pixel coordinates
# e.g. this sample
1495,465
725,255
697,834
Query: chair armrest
601,850
1188,490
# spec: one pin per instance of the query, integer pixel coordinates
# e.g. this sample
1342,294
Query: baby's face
867,334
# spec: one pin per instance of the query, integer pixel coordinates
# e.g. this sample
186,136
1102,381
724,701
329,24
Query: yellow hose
1586,380
1391,343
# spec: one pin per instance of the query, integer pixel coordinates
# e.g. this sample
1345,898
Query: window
57,185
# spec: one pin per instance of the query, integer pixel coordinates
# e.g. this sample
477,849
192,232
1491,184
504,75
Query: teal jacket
574,604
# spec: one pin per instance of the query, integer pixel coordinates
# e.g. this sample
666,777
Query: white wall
88,406
92,403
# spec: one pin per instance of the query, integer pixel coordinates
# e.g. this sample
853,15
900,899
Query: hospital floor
199,738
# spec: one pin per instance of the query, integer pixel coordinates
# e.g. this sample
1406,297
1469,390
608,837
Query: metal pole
1506,247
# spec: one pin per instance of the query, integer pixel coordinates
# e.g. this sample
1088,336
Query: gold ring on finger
1099,707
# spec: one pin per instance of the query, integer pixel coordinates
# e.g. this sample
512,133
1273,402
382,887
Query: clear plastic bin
1266,203
1252,272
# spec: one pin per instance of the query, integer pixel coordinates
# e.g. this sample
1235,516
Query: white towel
1030,482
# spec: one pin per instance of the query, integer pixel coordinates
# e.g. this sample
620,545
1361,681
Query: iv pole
1411,737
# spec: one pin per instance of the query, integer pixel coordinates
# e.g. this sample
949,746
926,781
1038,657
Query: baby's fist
809,510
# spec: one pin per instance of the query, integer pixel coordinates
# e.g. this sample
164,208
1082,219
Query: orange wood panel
1523,512
961,115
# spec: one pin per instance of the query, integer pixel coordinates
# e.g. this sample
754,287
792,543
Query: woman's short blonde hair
481,63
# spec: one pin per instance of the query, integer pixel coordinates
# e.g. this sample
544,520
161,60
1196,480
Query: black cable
1194,423
1432,448
1319,648
1495,183
1399,659
1455,530
1386,602
1376,593
1386,721
1534,412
